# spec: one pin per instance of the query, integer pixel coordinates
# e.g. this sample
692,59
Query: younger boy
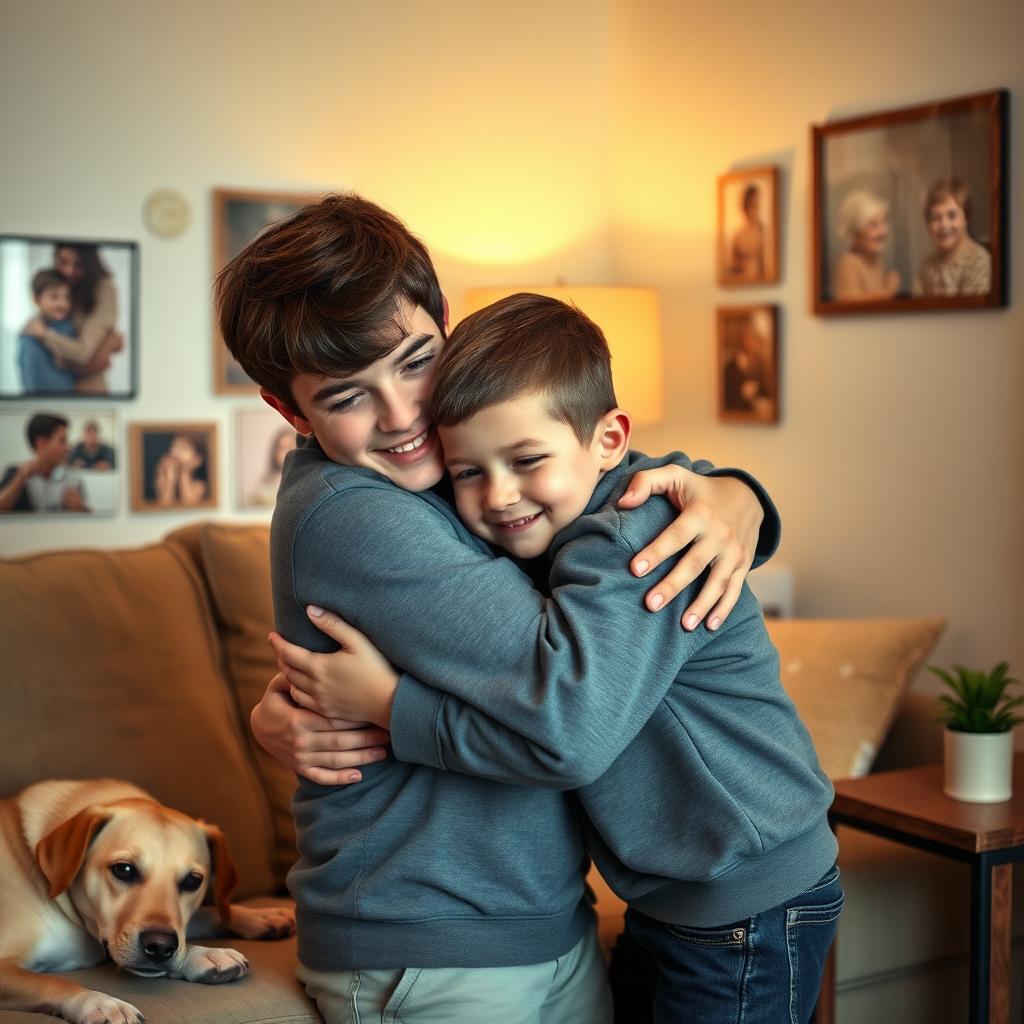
707,808
39,374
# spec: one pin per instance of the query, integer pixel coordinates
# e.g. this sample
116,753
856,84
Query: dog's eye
124,872
191,882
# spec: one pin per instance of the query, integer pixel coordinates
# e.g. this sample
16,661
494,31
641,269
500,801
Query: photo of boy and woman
66,318
174,466
58,463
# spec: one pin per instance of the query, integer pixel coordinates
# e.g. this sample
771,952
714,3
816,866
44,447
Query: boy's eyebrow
416,342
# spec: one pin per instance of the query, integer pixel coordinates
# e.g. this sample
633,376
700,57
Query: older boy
707,808
427,894
43,483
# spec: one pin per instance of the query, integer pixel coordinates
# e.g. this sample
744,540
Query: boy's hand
355,682
720,520
323,750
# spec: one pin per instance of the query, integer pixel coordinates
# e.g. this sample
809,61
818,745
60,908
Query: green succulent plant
979,701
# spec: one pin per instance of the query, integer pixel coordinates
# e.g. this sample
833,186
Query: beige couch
144,663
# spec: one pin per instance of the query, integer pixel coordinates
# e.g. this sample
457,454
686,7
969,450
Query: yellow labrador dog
97,869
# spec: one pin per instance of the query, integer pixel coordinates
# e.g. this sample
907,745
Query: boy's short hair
42,426
948,188
48,278
526,345
318,293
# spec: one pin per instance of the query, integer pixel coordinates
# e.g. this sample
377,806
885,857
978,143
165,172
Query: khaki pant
570,990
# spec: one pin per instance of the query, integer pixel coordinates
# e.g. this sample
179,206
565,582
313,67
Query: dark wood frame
772,246
131,343
996,103
221,197
137,469
732,415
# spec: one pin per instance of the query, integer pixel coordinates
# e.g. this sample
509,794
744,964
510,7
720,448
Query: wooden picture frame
101,322
239,215
747,364
909,208
748,227
182,442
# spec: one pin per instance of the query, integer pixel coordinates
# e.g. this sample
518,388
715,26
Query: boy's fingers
669,542
290,654
648,482
302,698
723,609
326,777
714,588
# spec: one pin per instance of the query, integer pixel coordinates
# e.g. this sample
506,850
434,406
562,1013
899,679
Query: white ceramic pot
979,766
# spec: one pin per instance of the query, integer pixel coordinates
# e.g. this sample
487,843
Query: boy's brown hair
49,278
526,345
318,293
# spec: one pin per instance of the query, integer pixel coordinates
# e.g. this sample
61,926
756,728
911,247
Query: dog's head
136,872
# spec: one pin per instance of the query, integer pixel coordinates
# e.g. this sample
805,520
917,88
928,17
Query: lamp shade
631,322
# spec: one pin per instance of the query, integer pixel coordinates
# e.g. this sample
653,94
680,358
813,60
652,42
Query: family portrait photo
238,217
910,208
748,364
173,466
67,317
60,462
748,218
262,440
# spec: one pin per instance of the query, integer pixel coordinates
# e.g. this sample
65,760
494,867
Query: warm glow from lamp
631,322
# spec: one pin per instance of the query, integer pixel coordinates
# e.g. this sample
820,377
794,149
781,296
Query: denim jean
762,970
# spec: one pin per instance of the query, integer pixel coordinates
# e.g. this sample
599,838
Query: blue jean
762,970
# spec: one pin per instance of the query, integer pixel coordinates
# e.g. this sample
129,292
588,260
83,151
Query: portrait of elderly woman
861,274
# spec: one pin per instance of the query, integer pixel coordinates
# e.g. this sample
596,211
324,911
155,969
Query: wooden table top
911,800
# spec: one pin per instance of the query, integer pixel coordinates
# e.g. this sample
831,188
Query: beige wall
575,138
452,114
899,462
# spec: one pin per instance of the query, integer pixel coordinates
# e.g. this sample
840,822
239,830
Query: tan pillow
847,678
111,667
237,564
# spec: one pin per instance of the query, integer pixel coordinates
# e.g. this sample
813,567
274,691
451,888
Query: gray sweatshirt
705,800
417,866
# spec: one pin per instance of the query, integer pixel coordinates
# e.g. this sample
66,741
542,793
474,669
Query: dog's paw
262,922
213,966
89,1007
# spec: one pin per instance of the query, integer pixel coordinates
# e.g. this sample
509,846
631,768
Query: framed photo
238,217
748,227
60,461
910,208
748,364
173,466
262,440
68,317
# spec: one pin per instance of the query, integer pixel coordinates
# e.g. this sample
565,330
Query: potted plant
979,715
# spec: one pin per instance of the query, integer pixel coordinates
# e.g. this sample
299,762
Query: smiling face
872,235
520,475
54,302
69,263
378,417
947,225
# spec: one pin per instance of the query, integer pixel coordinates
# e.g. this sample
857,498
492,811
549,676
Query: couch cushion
847,678
111,667
236,562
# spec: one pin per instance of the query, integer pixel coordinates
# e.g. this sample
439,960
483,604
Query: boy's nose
501,494
397,414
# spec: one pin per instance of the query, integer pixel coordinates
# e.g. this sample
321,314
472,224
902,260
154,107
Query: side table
908,806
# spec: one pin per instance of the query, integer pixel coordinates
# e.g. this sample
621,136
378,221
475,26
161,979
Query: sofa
144,664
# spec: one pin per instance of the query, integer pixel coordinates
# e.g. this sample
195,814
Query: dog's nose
158,945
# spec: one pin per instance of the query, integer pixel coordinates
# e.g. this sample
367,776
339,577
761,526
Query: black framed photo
173,466
748,364
68,317
910,208
239,215
56,460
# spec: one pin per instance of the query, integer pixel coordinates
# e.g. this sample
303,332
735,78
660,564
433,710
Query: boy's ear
612,438
444,300
294,418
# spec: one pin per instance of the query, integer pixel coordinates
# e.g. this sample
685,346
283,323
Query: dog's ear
60,853
225,874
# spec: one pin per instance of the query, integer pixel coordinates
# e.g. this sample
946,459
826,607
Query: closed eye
465,474
529,461
346,403
421,363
